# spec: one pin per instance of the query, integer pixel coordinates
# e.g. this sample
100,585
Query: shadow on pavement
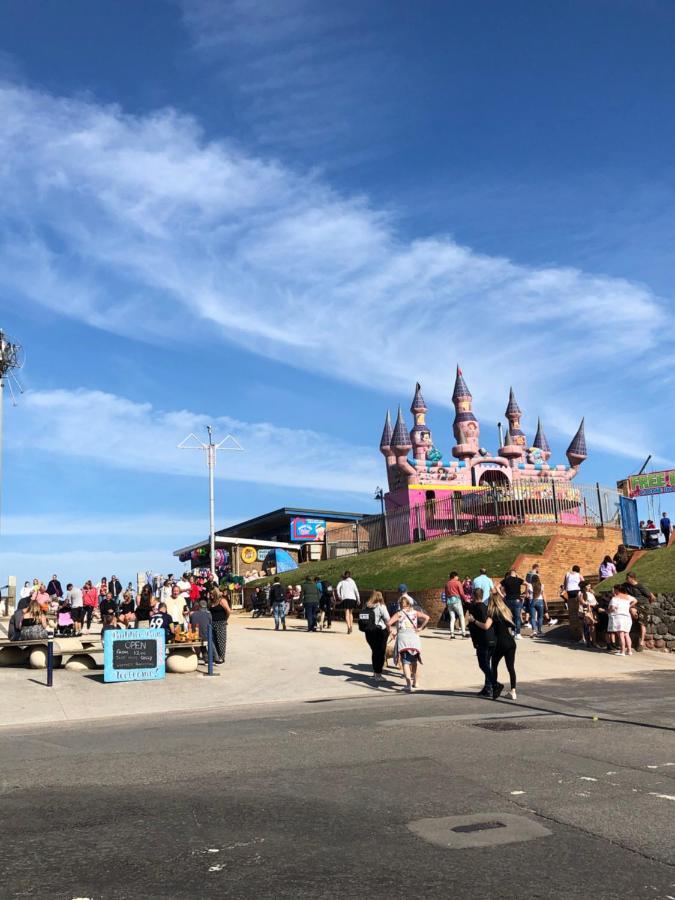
367,680
503,702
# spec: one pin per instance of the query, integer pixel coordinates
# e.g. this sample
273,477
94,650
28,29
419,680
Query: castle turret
576,452
465,427
400,444
420,435
385,440
541,443
511,450
514,414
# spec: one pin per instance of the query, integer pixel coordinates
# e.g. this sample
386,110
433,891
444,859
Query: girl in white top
408,623
377,638
620,620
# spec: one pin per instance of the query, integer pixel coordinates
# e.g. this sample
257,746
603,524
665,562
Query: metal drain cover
505,725
481,830
478,826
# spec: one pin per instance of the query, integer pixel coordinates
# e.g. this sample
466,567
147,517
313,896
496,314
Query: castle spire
461,391
540,441
577,452
513,414
387,434
512,410
400,440
420,435
418,405
465,427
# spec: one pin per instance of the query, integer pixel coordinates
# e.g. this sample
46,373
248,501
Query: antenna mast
11,360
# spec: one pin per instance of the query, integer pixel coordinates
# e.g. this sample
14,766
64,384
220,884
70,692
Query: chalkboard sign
133,654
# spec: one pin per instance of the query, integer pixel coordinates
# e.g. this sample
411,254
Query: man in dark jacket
278,601
310,597
201,618
115,587
54,588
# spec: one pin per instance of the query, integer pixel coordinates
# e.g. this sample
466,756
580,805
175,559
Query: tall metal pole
192,442
379,495
2,403
11,359
602,517
211,455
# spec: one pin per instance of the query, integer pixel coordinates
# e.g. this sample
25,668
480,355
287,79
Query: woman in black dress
144,608
220,613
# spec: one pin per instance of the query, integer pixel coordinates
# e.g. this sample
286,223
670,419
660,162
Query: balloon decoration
201,555
249,555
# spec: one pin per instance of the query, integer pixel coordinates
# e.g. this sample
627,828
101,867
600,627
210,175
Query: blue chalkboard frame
111,674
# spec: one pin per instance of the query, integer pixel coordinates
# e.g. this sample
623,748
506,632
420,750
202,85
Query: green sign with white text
651,483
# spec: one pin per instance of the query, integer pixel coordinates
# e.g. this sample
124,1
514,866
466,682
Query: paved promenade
264,666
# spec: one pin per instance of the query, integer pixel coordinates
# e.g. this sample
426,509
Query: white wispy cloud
295,69
140,226
136,437
59,524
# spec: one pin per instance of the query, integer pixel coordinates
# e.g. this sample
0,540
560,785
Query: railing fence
463,512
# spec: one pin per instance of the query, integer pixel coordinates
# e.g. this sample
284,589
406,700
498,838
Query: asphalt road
324,800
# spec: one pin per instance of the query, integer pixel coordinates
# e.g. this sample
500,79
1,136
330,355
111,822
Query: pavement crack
594,834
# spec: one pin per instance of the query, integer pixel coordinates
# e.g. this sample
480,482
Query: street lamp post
379,495
192,442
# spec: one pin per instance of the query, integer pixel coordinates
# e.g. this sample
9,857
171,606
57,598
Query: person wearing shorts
644,597
75,598
620,620
406,624
349,597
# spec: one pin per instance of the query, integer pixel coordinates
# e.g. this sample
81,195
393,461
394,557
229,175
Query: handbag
33,633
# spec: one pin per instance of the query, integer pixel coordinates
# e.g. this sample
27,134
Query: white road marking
662,796
218,868
516,793
587,778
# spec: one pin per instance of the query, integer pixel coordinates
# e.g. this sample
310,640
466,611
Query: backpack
366,619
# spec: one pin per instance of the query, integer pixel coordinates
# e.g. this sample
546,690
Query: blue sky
277,217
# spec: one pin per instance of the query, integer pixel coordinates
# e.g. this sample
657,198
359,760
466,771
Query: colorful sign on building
651,483
308,529
134,654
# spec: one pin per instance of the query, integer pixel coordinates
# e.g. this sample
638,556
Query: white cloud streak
140,226
135,436
59,524
296,68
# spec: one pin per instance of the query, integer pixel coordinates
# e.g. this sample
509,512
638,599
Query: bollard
209,644
50,662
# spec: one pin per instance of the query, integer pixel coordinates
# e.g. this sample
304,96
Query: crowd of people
492,614
188,603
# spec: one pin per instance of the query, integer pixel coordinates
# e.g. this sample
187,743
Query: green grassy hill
655,569
423,565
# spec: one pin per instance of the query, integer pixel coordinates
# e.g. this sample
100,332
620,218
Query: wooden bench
84,653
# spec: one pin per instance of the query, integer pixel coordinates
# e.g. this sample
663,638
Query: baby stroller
64,621
260,606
